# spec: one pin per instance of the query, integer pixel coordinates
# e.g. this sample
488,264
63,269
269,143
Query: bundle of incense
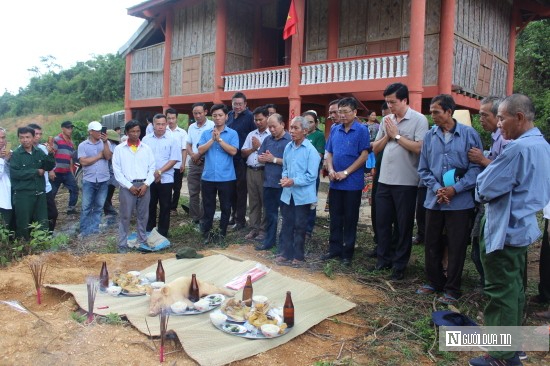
92,285
38,271
163,317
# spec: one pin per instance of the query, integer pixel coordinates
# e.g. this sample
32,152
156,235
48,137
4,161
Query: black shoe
378,268
417,241
231,221
263,247
238,227
185,208
372,254
346,262
72,212
328,256
538,299
397,275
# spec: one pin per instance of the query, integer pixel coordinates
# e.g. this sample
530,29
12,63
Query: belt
138,181
256,167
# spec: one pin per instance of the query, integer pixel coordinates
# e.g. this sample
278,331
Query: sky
69,30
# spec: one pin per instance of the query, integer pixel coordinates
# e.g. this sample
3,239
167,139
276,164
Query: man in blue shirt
300,169
515,186
218,145
347,151
449,204
271,154
241,120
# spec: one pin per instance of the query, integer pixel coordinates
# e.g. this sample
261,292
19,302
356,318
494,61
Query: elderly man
514,187
5,184
488,118
134,169
167,153
27,167
93,154
300,169
347,151
255,174
449,203
63,174
180,136
218,145
196,161
400,137
271,154
241,120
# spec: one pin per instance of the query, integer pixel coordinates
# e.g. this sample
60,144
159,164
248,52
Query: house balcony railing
354,69
257,79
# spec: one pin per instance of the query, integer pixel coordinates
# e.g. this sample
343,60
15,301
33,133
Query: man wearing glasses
400,138
347,151
63,174
241,120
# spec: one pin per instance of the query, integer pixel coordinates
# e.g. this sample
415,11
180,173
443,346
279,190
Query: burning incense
92,285
163,317
38,271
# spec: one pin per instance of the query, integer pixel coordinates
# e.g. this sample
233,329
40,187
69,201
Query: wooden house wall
193,46
481,25
317,30
239,37
146,72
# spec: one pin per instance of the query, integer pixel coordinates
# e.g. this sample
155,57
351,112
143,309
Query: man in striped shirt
63,174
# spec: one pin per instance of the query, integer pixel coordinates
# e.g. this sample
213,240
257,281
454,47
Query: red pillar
515,22
167,59
416,53
295,59
219,66
333,28
446,46
127,110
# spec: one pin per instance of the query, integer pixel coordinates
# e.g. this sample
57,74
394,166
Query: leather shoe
326,257
231,221
346,262
263,247
417,241
238,227
397,275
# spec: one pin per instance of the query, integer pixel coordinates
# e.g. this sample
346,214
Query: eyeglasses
237,104
344,112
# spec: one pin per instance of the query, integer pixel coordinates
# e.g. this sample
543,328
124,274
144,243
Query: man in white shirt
180,136
5,184
134,168
196,160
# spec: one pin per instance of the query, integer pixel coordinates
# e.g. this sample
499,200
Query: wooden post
446,46
333,26
127,94
416,53
514,23
167,59
219,66
295,59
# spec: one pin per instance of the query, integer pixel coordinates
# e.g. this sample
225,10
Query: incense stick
92,284
164,316
38,271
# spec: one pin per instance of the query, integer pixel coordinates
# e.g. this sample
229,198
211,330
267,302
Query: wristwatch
220,139
397,137
346,173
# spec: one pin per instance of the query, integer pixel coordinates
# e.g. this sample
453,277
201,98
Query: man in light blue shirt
300,169
218,145
167,153
449,204
514,187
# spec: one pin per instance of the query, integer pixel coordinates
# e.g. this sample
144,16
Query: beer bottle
248,291
288,311
160,272
103,278
194,289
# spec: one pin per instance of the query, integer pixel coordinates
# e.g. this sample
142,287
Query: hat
453,176
67,124
451,319
187,252
94,126
113,135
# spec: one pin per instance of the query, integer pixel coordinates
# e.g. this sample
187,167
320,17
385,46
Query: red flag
291,22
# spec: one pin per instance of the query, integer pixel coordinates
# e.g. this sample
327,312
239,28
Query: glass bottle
288,311
160,272
248,291
194,289
103,278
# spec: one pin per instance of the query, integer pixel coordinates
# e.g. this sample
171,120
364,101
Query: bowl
151,276
114,290
135,273
270,330
157,284
259,299
202,305
178,307
218,318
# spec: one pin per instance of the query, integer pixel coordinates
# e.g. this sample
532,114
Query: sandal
296,263
543,314
447,299
426,290
281,260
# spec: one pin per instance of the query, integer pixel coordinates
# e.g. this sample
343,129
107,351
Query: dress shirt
194,133
165,149
438,156
515,186
97,172
272,173
218,164
129,165
301,164
498,144
5,185
46,179
252,159
180,136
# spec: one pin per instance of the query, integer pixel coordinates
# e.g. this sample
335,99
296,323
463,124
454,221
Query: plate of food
130,284
215,299
235,310
233,328
204,305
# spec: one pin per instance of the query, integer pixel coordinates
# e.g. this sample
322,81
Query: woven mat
200,339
